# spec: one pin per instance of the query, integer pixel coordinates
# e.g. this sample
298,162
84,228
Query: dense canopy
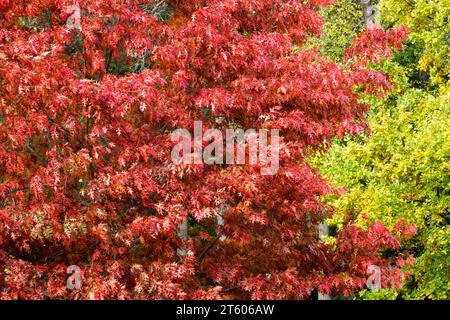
90,93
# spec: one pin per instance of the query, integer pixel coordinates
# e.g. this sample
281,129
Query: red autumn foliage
86,176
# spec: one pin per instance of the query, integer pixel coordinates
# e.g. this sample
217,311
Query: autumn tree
86,176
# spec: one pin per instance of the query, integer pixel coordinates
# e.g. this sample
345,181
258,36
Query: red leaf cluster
86,176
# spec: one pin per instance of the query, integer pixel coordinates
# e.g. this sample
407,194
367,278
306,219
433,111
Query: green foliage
383,294
430,30
401,170
343,21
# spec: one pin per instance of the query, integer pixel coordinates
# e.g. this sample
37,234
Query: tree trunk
323,232
183,235
370,13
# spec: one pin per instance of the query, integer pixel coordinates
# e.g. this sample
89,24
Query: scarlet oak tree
85,171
